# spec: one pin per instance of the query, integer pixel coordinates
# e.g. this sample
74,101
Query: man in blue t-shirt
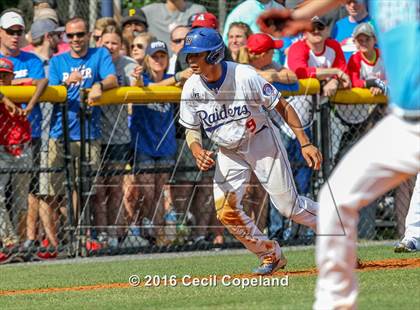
343,29
81,67
28,70
27,66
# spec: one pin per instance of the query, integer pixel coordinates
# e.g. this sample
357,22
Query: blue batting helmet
205,40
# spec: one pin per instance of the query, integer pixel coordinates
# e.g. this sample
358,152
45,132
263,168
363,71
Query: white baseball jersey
232,113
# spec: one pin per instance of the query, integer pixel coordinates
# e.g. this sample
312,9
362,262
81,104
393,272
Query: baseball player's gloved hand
279,23
312,156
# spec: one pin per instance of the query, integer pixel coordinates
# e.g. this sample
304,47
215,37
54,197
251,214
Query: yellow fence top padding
141,95
24,93
173,94
306,87
357,96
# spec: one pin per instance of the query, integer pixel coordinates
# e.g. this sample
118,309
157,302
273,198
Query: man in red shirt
317,56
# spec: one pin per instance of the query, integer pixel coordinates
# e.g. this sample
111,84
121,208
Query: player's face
10,38
365,43
113,43
236,39
197,62
78,37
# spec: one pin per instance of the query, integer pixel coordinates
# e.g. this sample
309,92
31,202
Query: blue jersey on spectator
398,30
28,65
342,32
95,66
152,127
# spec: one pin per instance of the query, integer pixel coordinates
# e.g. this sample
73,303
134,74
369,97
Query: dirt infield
386,264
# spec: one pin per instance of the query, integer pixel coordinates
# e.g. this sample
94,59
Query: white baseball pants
385,157
265,155
412,221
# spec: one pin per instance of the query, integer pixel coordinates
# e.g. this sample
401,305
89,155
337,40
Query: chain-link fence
108,196
61,197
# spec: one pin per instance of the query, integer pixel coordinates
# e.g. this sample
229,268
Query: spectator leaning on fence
154,143
315,56
115,150
81,67
366,70
28,70
15,152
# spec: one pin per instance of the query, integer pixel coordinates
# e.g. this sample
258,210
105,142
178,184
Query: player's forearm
290,116
194,141
315,7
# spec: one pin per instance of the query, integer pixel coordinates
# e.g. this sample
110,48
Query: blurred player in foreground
230,101
384,158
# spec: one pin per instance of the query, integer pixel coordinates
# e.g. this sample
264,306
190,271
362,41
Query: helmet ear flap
216,56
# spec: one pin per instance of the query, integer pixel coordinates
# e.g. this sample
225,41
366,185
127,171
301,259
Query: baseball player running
385,157
230,101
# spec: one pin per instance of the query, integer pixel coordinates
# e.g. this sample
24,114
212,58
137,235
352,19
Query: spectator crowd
144,188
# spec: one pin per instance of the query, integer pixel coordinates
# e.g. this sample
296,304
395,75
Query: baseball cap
6,65
206,20
260,42
134,15
156,46
319,20
364,28
41,27
46,13
10,19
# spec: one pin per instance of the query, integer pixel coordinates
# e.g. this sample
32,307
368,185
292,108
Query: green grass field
380,289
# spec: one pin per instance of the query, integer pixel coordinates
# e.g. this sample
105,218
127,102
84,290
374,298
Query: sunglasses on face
12,32
177,41
96,38
75,34
138,45
319,27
